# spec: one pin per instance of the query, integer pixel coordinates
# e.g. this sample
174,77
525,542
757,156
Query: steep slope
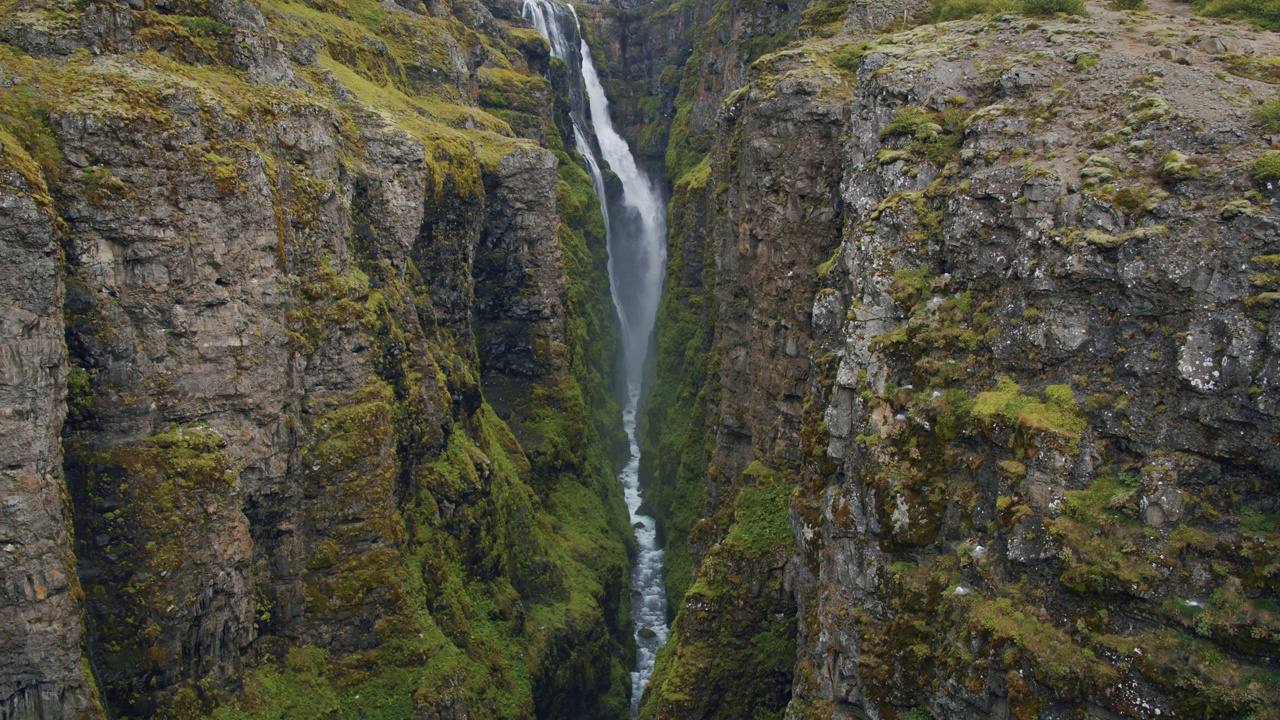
337,369
981,311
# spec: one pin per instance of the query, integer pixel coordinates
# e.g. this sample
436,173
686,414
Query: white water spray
637,258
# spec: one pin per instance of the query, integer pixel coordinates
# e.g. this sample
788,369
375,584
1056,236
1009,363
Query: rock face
334,371
997,317
670,64
41,673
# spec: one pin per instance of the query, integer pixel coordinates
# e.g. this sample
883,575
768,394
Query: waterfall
637,244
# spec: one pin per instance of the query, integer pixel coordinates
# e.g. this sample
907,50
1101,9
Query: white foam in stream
637,259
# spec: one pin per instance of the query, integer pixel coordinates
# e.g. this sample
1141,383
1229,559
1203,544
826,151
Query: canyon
670,359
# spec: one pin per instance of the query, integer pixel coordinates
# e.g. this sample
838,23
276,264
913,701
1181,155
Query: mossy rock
1265,171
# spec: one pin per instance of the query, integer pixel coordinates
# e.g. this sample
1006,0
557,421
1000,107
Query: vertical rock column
41,626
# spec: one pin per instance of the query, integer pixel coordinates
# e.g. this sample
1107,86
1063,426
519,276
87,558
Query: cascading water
637,256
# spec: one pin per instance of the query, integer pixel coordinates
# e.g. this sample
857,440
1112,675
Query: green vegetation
1203,682
204,26
1059,661
1104,539
943,10
846,57
1266,169
825,13
1264,13
742,668
935,137
1268,115
449,566
672,424
686,147
1047,8
159,504
1176,166
1058,414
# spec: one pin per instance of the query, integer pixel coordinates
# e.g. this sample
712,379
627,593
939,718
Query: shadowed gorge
636,239
865,359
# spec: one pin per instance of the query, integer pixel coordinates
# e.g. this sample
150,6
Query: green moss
686,147
933,136
224,170
1104,539
1150,108
510,90
28,145
1104,240
762,521
146,509
1137,199
1058,661
905,650
1058,414
1258,522
908,120
829,264
79,395
696,178
1268,115
1202,681
428,537
1177,167
732,651
824,13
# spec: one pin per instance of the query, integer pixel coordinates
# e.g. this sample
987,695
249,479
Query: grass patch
1264,13
943,10
204,26
933,136
1265,171
1048,8
1058,661
1058,413
1268,115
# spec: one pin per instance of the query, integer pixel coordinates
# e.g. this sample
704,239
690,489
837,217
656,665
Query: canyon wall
307,376
981,313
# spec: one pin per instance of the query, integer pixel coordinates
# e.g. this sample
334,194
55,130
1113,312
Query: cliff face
334,377
671,63
990,299
41,671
